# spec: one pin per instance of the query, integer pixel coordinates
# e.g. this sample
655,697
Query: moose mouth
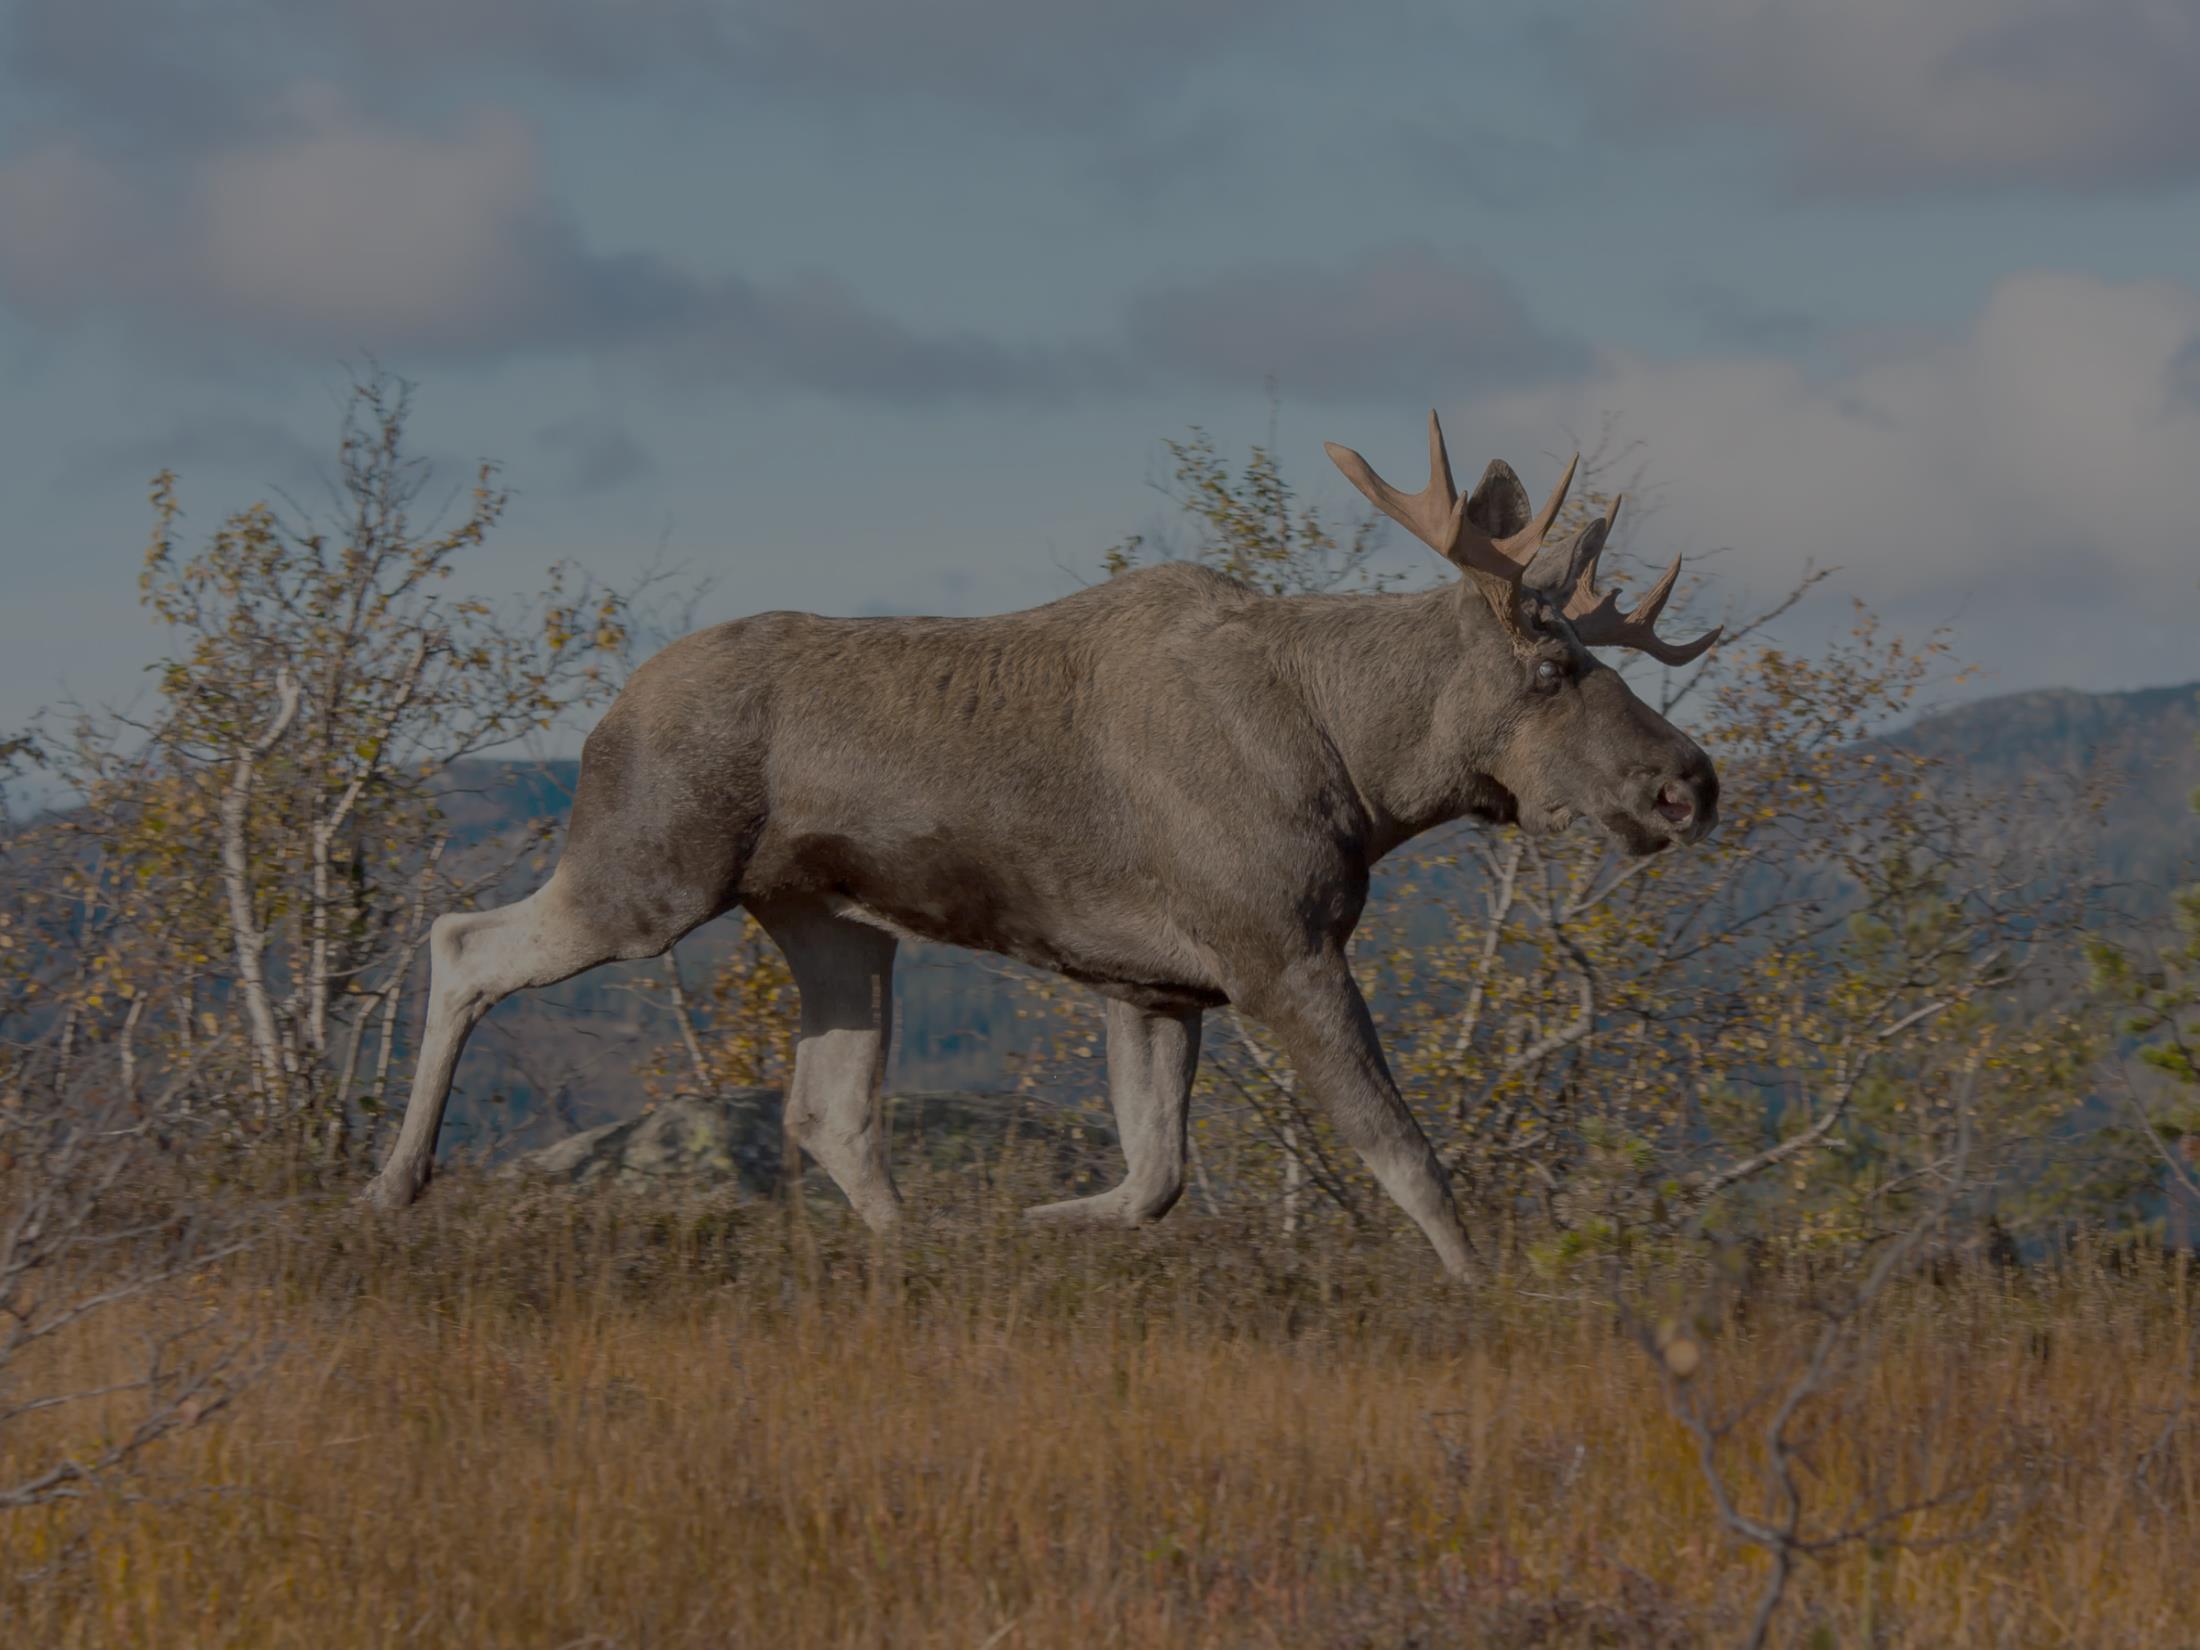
1636,836
1670,817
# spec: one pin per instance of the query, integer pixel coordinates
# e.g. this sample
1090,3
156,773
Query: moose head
1557,730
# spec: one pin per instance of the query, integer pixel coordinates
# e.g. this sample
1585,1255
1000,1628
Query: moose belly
932,888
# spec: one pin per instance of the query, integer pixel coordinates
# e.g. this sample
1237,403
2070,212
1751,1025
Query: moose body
1169,787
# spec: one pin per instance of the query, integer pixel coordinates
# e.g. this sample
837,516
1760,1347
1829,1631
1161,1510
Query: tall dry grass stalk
537,1421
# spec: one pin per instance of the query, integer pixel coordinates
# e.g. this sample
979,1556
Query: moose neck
1392,680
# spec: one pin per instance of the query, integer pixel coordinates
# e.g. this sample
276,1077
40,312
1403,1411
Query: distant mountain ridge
2140,744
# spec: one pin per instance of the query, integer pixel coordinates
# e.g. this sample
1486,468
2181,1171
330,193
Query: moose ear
1558,567
1499,505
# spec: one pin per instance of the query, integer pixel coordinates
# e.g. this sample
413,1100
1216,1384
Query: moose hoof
391,1191
1120,1207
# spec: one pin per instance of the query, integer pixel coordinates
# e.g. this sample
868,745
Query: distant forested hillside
2138,748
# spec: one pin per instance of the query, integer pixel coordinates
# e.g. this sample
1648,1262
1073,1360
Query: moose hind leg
1152,1059
476,960
844,974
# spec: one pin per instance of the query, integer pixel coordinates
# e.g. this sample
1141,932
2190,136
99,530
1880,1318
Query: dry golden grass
541,1422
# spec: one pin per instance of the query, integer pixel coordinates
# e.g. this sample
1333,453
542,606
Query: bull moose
1168,786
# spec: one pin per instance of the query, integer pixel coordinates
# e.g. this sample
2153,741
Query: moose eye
1548,674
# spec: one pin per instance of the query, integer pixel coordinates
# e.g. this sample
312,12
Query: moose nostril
1674,802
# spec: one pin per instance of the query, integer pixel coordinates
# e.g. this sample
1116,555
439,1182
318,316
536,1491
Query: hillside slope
2139,748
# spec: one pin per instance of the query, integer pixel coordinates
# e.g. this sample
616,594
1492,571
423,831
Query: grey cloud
344,234
157,69
1732,319
813,333
1405,321
1168,161
270,453
1050,62
123,70
599,453
1889,97
2184,375
1047,62
578,40
1481,165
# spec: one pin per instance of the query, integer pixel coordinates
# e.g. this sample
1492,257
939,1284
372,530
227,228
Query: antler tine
1522,546
1681,653
1582,597
1646,611
1598,621
1436,515
1439,461
1432,515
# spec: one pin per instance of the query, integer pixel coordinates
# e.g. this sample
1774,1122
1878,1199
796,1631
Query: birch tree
275,836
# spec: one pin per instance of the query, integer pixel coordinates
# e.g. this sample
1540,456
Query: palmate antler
1452,526
1597,619
1461,531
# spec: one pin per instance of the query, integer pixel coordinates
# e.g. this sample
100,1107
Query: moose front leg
1314,1007
1152,1059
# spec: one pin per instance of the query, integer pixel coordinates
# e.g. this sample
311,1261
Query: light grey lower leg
844,972
475,960
1152,1059
1317,1012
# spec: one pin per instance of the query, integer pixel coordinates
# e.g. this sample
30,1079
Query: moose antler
1437,516
1597,619
1441,519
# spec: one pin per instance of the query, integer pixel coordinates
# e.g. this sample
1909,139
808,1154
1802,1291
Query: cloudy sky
864,306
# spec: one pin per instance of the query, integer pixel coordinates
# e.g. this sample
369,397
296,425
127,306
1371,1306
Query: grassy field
524,1420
